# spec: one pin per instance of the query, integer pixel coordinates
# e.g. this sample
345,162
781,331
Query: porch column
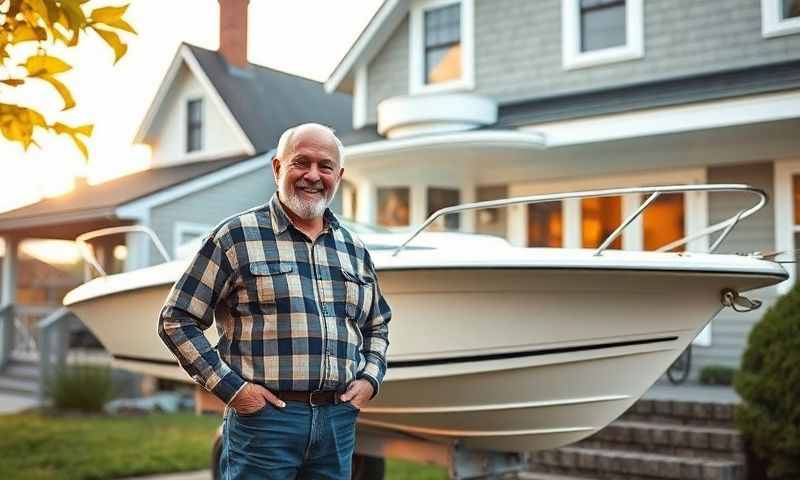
8,296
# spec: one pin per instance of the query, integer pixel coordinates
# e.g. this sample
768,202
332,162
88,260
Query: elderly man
302,322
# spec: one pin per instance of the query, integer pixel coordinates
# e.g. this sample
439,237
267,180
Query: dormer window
780,17
443,44
194,125
441,53
597,32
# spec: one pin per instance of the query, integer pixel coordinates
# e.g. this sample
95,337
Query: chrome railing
727,225
88,254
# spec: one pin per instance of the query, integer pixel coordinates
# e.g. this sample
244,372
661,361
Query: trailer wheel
368,468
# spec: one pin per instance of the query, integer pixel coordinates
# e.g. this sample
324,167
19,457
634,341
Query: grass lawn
75,447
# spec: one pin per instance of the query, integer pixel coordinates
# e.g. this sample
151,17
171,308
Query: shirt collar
281,221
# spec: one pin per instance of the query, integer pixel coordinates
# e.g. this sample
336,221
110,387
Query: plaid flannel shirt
291,314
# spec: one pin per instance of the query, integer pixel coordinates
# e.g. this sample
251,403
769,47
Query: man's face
309,175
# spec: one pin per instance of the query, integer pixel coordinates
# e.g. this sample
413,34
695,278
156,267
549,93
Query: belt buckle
311,398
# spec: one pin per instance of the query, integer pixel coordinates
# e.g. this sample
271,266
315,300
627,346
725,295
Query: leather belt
324,397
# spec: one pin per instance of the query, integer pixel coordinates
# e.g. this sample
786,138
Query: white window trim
784,216
573,58
772,23
185,126
187,227
416,50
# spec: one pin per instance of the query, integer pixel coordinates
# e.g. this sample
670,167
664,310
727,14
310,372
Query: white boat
503,348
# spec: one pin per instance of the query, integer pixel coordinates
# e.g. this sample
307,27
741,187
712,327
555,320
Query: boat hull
508,359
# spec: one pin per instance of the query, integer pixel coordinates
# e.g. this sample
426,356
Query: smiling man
303,325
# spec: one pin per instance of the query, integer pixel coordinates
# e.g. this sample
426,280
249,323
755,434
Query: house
212,127
467,100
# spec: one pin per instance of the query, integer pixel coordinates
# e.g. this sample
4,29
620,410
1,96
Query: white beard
305,209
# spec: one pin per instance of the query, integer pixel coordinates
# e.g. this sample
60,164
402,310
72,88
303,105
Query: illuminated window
663,221
602,24
491,221
443,44
393,206
545,225
439,198
599,217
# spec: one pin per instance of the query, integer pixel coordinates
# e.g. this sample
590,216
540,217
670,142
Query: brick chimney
233,31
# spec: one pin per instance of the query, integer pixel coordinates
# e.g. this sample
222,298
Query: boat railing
88,254
726,225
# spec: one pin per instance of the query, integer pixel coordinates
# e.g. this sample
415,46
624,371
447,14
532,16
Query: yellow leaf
40,8
61,89
23,33
73,134
14,82
108,14
112,39
39,65
122,25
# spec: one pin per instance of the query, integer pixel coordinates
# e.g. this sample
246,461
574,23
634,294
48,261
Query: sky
303,37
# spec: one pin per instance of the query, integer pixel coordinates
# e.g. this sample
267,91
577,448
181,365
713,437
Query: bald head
316,131
308,168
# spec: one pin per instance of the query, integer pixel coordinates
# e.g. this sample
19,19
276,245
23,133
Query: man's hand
254,397
358,393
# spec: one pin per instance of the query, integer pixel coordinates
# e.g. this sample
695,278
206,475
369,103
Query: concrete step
22,370
670,439
549,476
615,464
682,412
16,385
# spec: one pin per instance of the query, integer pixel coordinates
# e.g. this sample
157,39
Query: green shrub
769,384
81,387
717,375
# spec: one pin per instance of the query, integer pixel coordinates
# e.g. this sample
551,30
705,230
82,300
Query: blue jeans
295,442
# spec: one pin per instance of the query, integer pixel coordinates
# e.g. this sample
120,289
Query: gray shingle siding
210,206
387,74
518,53
730,329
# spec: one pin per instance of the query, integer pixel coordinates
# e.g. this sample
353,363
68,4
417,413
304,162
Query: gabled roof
259,102
101,200
386,19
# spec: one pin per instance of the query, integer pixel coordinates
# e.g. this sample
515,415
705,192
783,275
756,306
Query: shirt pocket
270,281
357,295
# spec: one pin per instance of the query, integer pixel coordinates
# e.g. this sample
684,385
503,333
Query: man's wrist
372,381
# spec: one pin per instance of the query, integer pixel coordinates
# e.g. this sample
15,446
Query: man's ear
276,168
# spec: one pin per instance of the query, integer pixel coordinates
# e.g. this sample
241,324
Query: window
491,221
439,198
596,32
443,44
787,215
393,206
194,125
545,225
780,17
600,216
441,54
602,24
663,221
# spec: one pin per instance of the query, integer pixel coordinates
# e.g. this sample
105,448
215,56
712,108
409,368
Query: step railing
6,333
53,339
